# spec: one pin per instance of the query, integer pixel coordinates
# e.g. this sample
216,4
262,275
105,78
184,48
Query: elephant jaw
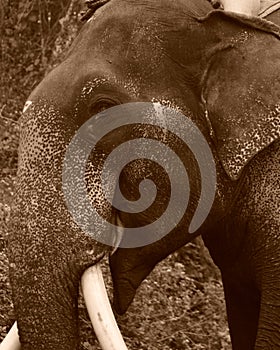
100,313
127,277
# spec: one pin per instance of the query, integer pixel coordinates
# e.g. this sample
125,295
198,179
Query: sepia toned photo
140,175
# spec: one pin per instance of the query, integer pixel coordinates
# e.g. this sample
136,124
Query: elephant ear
241,90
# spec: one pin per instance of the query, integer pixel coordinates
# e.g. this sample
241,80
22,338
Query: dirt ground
181,304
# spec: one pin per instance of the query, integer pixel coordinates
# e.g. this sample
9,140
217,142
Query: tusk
100,311
26,106
118,234
11,341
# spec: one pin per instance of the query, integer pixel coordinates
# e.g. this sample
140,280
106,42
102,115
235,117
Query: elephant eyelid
101,104
106,96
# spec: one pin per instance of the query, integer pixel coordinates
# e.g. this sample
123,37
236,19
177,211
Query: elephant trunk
99,309
48,252
45,302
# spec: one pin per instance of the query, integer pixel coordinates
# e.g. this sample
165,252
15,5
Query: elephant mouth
99,310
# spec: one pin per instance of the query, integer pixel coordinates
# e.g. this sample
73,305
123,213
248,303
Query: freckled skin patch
116,60
55,248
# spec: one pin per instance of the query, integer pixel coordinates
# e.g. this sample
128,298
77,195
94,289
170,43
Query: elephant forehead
128,42
114,28
121,28
104,54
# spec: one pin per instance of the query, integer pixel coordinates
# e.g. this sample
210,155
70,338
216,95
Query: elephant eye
100,106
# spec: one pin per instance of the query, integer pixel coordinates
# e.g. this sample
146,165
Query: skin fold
181,54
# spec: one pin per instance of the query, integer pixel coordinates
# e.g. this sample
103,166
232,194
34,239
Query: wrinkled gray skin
155,51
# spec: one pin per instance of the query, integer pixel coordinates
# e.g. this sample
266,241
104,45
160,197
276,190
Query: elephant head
179,57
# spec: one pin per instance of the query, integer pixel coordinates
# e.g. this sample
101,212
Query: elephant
218,69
